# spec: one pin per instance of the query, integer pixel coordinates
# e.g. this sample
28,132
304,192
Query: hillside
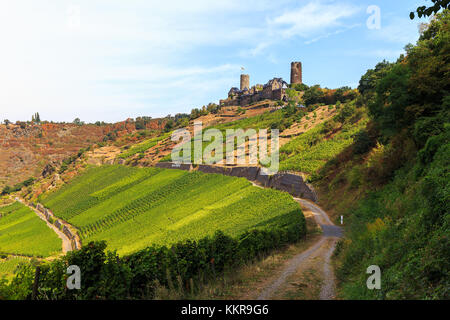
393,184
28,147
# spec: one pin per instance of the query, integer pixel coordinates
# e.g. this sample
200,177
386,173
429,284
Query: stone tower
245,81
296,72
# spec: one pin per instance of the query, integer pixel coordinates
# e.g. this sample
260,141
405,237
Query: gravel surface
330,235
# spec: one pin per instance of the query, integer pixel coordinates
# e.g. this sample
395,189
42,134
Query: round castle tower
296,72
245,81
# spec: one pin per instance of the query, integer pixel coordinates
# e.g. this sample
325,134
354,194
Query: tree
313,95
6,121
424,11
169,125
36,118
7,190
414,91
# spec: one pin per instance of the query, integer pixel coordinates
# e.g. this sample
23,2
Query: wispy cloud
311,21
312,18
329,34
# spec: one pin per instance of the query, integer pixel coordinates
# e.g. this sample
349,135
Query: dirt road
316,258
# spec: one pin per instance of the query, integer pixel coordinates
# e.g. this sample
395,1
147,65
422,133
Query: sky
116,59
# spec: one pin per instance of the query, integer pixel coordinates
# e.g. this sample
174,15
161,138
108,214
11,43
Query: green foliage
402,221
23,232
415,89
362,142
424,11
18,186
141,122
36,118
299,87
313,95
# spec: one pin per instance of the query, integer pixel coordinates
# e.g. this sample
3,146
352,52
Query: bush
362,142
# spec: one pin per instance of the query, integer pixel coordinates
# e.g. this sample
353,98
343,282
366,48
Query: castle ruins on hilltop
275,89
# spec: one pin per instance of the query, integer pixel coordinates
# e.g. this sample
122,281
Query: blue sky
111,60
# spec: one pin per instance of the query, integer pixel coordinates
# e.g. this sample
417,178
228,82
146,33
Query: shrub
362,142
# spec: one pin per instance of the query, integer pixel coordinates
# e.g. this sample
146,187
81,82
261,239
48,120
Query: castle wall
267,93
296,72
245,100
245,81
278,94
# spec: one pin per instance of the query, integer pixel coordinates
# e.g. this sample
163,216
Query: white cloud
312,18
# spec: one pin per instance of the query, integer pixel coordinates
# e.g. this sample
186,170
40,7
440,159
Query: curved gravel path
331,233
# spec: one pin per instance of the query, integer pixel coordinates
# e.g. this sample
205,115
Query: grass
132,208
22,232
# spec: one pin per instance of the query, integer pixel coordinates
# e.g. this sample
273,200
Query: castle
275,89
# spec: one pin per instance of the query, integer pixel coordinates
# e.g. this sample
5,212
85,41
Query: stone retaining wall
170,165
284,181
57,224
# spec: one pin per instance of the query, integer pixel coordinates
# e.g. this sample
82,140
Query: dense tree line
401,161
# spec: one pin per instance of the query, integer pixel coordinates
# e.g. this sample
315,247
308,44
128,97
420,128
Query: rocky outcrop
49,169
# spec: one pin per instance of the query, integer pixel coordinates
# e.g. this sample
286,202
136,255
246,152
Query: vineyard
22,232
311,150
262,121
143,146
133,208
9,265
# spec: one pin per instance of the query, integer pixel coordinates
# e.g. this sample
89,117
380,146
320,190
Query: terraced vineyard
132,208
22,232
143,146
311,150
262,121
